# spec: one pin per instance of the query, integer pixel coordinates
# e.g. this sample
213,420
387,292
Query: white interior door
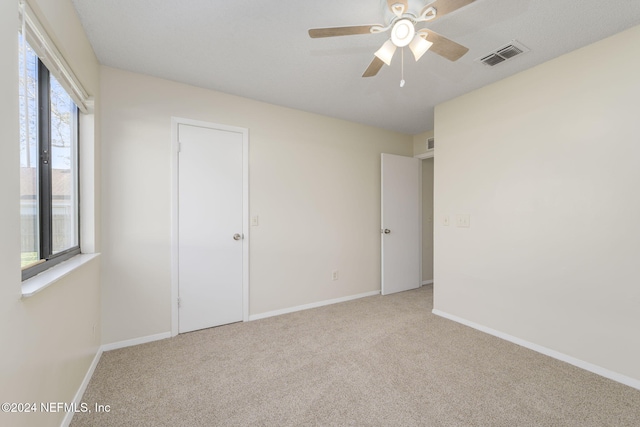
401,223
210,227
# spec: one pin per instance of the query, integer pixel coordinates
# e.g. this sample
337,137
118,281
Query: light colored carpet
377,361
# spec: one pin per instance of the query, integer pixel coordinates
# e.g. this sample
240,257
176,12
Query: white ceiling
261,49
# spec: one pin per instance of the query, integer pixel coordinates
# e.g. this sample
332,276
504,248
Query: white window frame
50,55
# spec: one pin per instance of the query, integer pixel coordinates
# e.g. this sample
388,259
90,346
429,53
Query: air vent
430,144
503,53
509,51
493,59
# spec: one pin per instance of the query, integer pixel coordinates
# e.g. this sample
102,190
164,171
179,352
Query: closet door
210,224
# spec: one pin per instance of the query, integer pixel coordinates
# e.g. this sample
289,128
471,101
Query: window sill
47,278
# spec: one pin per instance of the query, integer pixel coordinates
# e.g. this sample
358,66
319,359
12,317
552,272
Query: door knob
237,236
386,231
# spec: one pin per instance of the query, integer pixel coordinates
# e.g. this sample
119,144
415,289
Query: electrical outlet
334,275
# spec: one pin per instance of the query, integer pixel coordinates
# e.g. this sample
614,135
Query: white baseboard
77,399
135,341
623,379
427,282
311,305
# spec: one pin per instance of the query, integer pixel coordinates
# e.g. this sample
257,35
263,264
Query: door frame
175,122
423,157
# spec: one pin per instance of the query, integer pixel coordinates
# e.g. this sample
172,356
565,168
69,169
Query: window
49,205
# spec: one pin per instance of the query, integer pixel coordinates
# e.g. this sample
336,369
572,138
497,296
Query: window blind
49,54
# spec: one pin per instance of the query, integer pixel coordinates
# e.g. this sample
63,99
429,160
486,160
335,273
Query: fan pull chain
402,68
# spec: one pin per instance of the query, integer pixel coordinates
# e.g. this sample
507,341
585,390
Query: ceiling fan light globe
385,53
419,45
402,32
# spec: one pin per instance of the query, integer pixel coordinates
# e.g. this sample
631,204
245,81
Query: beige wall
47,340
314,183
546,163
420,142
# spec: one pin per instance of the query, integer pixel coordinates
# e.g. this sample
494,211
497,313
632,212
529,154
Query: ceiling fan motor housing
402,32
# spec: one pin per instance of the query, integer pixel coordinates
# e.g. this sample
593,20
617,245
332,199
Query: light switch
445,220
254,221
463,220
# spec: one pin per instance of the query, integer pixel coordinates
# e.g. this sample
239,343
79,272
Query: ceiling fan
402,22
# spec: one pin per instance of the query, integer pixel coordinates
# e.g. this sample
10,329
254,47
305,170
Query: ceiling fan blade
374,67
445,47
398,10
340,31
444,7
